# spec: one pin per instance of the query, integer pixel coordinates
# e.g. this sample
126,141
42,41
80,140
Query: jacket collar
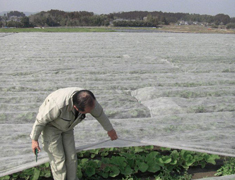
71,108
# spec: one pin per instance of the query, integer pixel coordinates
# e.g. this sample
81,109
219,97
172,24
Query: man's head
84,101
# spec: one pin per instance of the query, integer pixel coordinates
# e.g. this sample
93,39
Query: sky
209,7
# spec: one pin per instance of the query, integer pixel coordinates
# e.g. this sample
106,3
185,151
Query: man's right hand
35,145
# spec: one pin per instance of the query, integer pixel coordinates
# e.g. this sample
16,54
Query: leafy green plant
35,173
127,163
228,168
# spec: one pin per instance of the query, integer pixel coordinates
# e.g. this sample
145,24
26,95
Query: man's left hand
112,134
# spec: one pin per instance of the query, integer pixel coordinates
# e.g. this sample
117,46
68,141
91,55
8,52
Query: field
139,163
196,29
169,28
172,90
81,29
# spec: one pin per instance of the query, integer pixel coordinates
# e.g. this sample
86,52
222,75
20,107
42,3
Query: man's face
87,109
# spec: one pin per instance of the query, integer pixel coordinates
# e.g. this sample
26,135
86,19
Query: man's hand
112,134
35,145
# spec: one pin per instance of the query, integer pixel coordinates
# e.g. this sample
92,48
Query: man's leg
53,145
70,155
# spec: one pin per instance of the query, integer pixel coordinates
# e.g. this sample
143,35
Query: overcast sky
210,7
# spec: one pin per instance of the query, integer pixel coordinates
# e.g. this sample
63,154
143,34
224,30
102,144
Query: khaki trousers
60,147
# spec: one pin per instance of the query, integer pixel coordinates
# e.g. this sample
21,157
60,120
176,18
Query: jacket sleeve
99,114
48,112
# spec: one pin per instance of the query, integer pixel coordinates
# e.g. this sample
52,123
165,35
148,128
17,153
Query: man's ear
75,107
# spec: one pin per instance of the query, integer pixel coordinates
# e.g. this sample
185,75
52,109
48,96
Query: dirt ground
208,171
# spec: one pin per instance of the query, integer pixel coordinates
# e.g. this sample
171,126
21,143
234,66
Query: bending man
61,111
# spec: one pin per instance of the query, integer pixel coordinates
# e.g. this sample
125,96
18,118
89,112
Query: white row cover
165,89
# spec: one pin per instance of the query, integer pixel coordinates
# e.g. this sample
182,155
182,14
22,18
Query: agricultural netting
164,89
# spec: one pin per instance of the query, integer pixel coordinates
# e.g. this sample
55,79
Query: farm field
169,28
165,89
58,29
197,29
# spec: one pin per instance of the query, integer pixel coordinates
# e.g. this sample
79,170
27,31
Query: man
61,111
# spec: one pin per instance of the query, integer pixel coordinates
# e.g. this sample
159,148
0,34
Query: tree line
54,18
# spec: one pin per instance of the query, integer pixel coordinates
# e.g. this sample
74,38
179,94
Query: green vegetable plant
127,163
228,168
35,173
130,162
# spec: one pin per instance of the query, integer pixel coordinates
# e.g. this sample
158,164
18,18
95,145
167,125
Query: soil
208,171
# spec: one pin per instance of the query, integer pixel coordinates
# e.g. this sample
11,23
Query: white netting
164,89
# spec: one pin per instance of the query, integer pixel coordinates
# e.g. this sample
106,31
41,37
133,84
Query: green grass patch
78,29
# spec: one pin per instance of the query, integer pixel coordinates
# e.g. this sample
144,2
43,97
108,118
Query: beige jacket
57,110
